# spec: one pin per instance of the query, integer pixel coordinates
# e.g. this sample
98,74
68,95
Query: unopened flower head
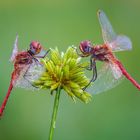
65,70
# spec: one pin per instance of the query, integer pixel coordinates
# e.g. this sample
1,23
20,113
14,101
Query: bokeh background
114,115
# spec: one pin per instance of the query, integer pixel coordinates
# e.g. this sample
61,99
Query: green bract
66,71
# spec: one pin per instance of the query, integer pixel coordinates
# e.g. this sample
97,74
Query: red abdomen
127,75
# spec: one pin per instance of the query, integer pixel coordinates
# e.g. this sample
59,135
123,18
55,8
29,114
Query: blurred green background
114,115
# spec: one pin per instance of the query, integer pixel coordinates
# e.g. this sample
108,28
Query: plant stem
55,108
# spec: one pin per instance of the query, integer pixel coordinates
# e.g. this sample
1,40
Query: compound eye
89,49
39,46
31,46
86,48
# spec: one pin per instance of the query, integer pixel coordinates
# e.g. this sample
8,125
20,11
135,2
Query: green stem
55,108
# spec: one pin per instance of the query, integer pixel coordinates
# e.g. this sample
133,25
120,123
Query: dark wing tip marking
99,12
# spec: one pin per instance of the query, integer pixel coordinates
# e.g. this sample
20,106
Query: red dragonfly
27,68
112,70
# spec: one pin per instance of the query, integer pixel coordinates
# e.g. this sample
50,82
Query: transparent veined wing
29,74
108,77
121,43
20,79
114,41
15,50
107,30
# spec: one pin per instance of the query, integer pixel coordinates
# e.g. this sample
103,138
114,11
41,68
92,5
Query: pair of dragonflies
26,63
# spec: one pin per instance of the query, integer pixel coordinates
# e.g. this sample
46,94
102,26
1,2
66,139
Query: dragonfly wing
108,77
107,30
15,50
34,72
29,75
114,41
21,81
121,43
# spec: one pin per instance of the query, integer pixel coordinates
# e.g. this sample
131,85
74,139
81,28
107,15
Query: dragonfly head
86,47
35,47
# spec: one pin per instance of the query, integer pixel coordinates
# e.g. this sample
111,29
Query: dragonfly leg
94,76
91,64
36,61
90,67
44,54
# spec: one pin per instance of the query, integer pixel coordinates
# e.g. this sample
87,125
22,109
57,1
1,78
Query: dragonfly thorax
23,58
102,52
